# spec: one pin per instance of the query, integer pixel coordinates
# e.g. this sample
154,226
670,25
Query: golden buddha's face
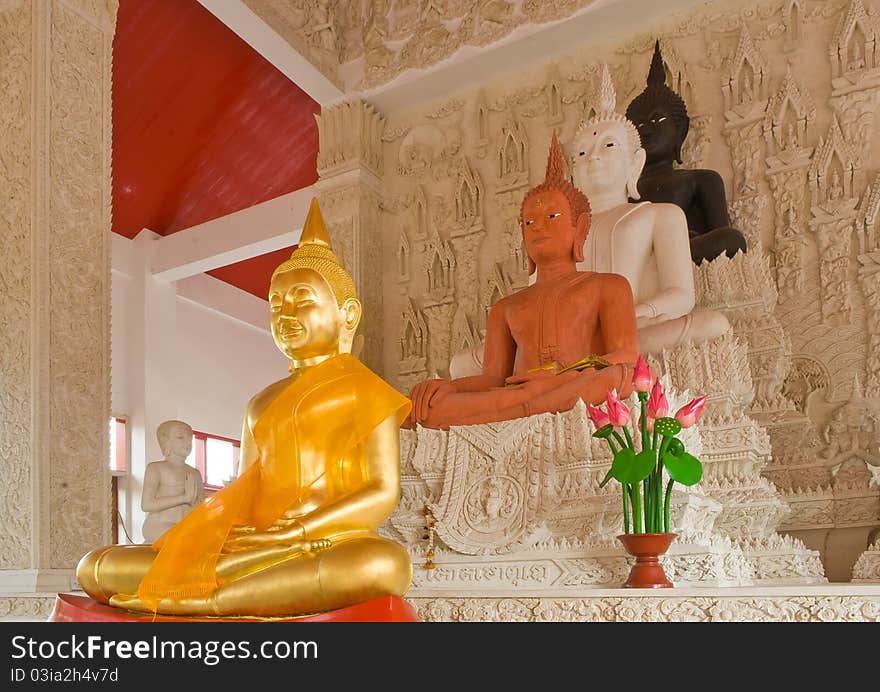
548,229
306,320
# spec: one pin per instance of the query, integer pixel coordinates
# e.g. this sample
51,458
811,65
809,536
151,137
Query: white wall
220,354
223,363
119,344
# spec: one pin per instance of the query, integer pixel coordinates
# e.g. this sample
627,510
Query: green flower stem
654,446
643,400
662,506
637,510
619,439
628,437
659,504
666,506
625,509
663,445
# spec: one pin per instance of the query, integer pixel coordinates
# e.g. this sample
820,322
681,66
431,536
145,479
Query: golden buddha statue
295,533
569,336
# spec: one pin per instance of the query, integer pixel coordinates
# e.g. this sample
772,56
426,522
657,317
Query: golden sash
315,427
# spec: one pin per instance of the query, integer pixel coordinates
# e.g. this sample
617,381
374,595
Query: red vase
647,573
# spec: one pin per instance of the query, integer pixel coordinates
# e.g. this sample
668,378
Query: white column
350,170
152,396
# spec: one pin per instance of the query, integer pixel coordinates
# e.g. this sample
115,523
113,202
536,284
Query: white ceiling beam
226,300
262,38
248,233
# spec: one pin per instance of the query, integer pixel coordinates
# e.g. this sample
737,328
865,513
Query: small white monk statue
172,488
646,242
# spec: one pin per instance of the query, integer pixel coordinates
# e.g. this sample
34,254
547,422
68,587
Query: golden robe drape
316,427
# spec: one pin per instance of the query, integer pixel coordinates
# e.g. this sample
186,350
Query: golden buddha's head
608,154
314,309
555,215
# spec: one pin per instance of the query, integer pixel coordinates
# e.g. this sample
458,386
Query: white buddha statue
646,242
172,488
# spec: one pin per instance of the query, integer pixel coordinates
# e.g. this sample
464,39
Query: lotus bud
642,376
688,414
599,418
618,412
658,406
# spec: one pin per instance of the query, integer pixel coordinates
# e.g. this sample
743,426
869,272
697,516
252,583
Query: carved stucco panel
78,246
611,609
765,158
16,308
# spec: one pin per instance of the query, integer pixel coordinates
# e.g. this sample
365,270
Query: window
117,445
215,457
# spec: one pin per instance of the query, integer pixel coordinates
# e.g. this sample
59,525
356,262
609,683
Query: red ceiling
253,275
203,126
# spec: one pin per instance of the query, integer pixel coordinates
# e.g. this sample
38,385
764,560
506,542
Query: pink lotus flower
598,416
618,413
658,406
642,376
687,415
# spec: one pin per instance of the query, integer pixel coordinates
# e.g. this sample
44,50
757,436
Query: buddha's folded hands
528,376
424,393
289,536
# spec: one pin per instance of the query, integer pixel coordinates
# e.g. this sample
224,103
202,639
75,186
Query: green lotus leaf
683,468
675,447
667,426
629,467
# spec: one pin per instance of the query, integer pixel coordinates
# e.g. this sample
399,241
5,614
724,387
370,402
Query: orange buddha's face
306,320
548,229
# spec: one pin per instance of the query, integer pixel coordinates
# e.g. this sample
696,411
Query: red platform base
70,608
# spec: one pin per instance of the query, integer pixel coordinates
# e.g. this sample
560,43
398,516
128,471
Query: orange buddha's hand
531,375
426,392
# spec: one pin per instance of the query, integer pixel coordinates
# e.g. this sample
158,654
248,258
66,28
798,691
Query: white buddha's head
607,155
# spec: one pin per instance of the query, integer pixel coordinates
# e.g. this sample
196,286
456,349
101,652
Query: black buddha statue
662,120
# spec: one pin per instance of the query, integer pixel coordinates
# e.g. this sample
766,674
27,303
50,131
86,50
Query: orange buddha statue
296,532
571,335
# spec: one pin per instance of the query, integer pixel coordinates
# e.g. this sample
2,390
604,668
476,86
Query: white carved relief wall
365,43
55,216
782,96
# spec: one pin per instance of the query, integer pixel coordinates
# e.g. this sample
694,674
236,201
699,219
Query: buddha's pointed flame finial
607,94
555,163
657,74
314,231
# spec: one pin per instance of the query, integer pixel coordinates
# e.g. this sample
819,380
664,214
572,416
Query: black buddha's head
660,115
